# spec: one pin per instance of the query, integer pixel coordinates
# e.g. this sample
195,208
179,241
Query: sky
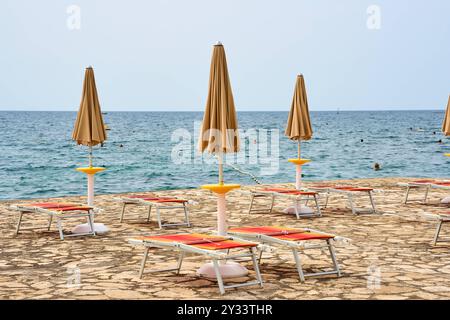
155,55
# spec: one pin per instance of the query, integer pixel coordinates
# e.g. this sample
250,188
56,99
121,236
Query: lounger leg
296,203
333,257
426,194
352,206
406,195
298,265
50,219
91,221
316,200
180,261
186,215
123,211
272,202
59,225
149,213
218,276
158,215
260,256
438,231
326,200
372,202
19,222
256,266
252,197
144,260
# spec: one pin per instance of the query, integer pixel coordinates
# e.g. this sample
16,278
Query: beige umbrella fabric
89,128
299,123
446,123
219,130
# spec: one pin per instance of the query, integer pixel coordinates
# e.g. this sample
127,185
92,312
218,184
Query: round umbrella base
446,200
227,270
85,228
301,209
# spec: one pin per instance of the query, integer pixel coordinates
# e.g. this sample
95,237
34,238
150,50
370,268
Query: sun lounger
294,239
426,185
350,192
443,218
160,203
213,247
58,210
296,196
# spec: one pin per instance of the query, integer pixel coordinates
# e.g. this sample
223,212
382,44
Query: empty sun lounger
216,248
425,184
443,218
58,210
350,192
296,196
160,203
294,239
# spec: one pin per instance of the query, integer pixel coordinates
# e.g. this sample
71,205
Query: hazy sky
155,54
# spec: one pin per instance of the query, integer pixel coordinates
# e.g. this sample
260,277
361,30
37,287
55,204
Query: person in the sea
376,166
440,141
362,140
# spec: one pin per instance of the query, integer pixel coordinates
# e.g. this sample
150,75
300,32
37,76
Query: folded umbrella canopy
446,123
299,124
89,129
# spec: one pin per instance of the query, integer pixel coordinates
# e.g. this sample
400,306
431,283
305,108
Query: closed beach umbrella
446,131
299,124
89,129
446,123
219,135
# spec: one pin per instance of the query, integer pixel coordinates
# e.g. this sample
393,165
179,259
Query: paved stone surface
390,255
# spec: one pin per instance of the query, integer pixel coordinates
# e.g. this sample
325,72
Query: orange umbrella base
220,188
90,170
299,162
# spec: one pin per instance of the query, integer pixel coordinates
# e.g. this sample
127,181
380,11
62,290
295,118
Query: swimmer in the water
376,166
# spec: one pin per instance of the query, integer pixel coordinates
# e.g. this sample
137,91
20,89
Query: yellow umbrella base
90,170
220,188
299,162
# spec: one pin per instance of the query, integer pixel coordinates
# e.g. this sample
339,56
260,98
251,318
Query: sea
158,150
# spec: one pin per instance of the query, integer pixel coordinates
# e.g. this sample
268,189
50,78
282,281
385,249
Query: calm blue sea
38,158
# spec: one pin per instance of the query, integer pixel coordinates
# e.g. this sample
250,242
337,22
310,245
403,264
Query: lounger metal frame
215,256
59,216
297,200
150,204
351,195
442,219
412,185
295,247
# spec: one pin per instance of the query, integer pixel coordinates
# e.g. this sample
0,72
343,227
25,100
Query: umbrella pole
298,170
90,156
220,157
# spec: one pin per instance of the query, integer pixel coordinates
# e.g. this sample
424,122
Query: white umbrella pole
221,202
221,215
298,169
90,156
220,158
